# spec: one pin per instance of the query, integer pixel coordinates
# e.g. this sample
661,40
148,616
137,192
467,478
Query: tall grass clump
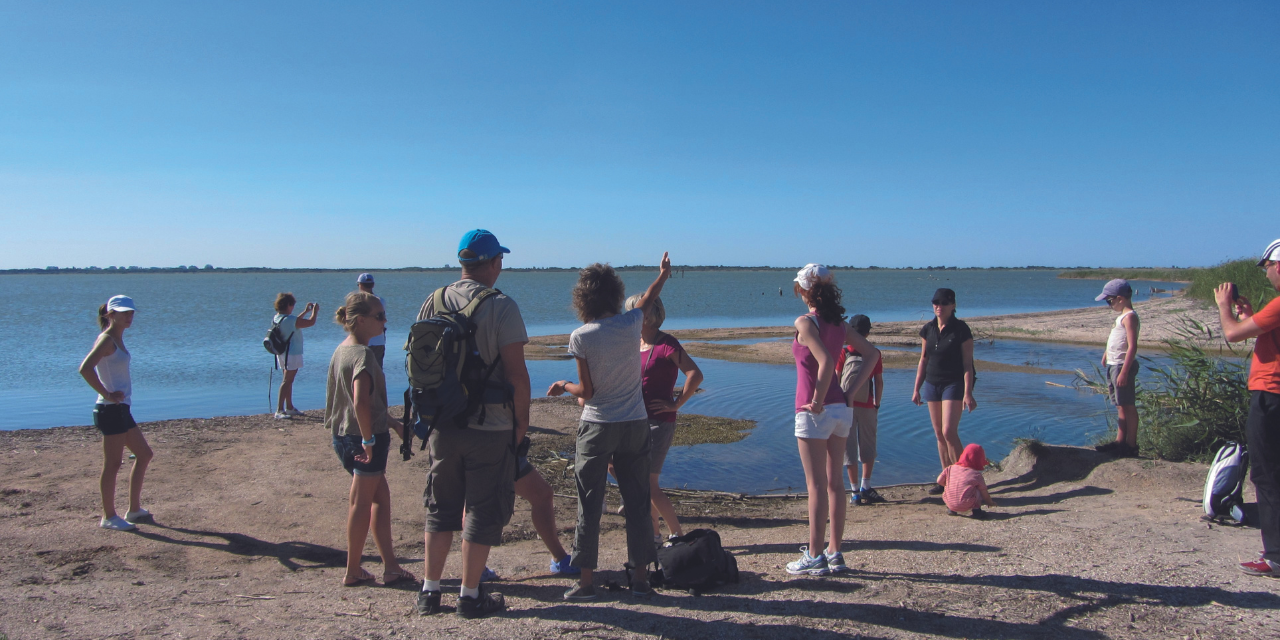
1190,407
1250,280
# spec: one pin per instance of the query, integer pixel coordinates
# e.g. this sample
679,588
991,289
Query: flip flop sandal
365,576
397,577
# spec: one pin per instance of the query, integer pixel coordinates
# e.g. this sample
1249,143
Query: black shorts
348,447
113,419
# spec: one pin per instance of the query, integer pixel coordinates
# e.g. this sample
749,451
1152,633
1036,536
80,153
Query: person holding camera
355,411
291,361
1262,428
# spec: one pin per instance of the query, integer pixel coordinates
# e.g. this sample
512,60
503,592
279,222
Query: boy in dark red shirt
1262,429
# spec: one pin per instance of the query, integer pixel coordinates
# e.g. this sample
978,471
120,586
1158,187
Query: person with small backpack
614,423
865,400
1262,427
469,336
822,416
290,328
355,411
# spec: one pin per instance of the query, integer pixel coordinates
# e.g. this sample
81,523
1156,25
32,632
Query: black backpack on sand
448,379
695,562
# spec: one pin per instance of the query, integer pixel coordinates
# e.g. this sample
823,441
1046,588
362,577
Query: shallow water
196,347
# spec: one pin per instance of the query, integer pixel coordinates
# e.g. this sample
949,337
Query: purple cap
1117,287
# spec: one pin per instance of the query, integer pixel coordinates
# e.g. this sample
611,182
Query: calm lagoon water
196,343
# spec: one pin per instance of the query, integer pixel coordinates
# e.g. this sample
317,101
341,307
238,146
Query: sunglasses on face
1110,299
1268,264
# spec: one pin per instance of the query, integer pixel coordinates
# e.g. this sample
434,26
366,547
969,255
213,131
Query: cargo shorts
472,469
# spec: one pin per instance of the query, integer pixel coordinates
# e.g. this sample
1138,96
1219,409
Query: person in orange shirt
1262,429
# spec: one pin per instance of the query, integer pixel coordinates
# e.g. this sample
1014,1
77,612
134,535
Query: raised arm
651,294
303,321
1232,329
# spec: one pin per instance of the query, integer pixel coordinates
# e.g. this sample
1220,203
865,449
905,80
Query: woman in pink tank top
823,419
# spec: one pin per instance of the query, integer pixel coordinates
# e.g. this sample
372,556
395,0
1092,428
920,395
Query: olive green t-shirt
349,361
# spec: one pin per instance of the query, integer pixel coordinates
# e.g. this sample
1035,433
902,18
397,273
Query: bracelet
368,443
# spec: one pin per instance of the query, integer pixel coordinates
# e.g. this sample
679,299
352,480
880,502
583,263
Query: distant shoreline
1076,272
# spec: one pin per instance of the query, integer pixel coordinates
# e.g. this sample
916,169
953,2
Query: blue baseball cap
1117,287
481,244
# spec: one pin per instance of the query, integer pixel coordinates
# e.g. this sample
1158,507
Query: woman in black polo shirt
945,375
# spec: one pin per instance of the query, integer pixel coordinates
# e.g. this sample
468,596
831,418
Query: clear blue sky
335,134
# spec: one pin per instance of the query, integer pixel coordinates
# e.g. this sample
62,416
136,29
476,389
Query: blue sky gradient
313,134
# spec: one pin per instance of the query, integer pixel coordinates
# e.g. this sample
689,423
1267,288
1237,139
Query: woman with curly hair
823,419
614,424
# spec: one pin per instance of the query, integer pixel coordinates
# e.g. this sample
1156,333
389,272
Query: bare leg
813,456
359,502
534,488
474,556
662,506
437,553
835,492
381,515
285,398
142,453
935,417
112,449
1127,425
951,410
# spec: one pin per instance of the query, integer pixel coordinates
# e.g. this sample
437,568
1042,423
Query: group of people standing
627,370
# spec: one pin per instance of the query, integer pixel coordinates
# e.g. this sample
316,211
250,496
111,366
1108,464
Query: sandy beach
249,543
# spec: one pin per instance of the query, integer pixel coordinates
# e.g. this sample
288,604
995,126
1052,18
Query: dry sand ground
249,543
1161,320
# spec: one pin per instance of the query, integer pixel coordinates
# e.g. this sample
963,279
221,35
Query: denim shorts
1126,394
113,419
348,447
930,392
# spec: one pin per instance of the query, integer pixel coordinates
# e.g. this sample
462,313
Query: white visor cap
812,273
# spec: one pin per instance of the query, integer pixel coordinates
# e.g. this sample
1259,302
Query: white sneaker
293,412
137,516
280,415
116,523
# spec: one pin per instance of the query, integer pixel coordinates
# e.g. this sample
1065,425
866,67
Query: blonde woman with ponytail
106,369
356,413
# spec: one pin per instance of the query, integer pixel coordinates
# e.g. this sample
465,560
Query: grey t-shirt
498,324
611,347
349,361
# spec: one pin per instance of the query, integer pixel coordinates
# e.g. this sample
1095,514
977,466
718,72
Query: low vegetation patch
1248,277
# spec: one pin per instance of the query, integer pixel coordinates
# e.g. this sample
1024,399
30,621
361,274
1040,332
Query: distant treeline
1249,279
212,269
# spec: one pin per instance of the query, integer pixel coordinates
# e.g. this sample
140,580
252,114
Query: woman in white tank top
106,369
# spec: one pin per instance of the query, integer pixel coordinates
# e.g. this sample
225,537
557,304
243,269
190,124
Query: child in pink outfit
963,485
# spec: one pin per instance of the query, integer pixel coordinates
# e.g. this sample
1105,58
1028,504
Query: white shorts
835,420
295,362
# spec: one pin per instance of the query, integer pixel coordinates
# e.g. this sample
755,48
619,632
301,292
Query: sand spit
249,543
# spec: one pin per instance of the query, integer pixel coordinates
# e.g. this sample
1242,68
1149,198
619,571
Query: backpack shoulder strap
474,304
437,301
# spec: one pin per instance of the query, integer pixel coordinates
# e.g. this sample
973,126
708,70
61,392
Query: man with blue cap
474,468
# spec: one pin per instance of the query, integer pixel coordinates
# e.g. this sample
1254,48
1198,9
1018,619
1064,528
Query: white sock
430,585
471,593
866,484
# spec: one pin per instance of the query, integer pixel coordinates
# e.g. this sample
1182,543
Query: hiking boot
428,603
580,593
563,567
935,490
808,565
871,496
482,605
1260,567
835,562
